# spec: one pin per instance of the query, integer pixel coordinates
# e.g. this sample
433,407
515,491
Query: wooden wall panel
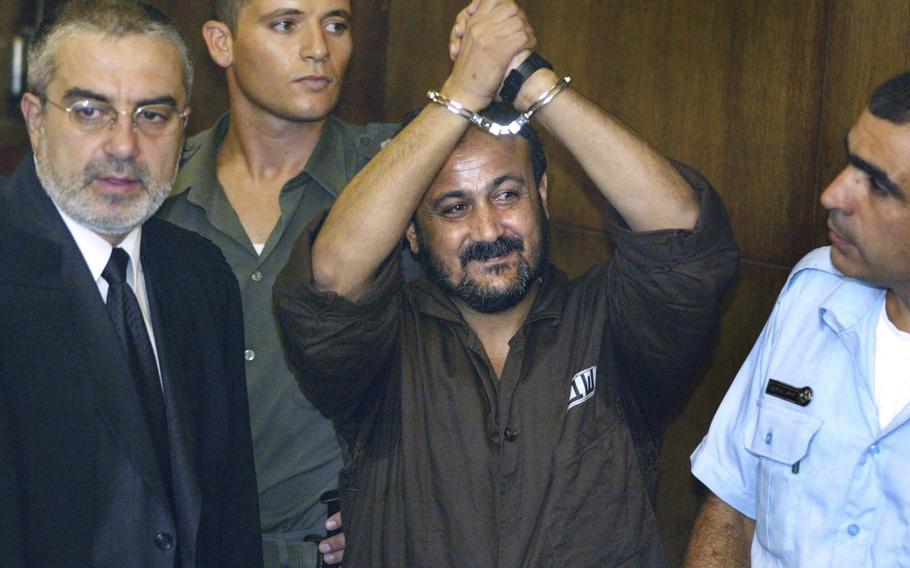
13,137
9,16
729,87
418,57
363,98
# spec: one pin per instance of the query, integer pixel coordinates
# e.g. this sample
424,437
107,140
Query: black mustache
485,251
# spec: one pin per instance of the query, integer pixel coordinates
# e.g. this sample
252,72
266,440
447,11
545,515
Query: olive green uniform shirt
297,453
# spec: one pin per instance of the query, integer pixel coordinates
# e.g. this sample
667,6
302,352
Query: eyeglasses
90,116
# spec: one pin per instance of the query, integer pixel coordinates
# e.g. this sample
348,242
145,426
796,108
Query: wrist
530,63
468,100
536,85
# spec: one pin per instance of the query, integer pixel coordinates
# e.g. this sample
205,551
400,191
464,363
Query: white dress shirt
97,251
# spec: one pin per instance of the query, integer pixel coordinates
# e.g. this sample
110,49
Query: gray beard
105,215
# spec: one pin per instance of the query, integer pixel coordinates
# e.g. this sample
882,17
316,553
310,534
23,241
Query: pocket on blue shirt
781,441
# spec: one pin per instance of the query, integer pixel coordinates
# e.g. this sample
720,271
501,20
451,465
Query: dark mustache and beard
483,298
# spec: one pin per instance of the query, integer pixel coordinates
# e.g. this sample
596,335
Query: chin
849,269
499,285
310,116
312,111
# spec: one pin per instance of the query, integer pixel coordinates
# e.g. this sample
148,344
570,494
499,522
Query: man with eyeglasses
124,428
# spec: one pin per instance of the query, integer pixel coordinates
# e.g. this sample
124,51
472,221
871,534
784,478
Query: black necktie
127,318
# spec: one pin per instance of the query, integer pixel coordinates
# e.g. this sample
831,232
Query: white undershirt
259,247
96,251
892,369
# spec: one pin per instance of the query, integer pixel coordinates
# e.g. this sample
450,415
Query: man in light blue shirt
806,459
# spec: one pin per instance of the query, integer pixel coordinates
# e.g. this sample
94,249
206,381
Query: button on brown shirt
554,464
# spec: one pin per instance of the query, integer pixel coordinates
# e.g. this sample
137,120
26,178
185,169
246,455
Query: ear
542,190
33,112
411,235
220,42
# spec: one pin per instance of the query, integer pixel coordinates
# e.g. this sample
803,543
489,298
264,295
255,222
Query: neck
265,145
114,240
897,306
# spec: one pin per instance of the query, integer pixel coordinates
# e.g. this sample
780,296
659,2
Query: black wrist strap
517,77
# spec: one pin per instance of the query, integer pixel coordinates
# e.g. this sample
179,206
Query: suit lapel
104,358
171,306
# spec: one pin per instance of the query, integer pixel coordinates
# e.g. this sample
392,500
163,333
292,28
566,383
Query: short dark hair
227,11
117,18
891,100
504,114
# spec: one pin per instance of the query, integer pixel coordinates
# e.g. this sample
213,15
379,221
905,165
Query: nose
486,224
122,138
313,45
839,194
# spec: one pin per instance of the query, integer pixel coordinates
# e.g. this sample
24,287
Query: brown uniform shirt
555,463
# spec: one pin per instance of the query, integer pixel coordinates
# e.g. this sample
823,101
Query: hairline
228,12
891,100
43,56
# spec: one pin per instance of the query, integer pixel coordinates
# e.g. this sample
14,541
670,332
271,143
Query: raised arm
372,213
640,183
721,537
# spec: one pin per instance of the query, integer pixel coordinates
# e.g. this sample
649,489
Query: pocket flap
782,434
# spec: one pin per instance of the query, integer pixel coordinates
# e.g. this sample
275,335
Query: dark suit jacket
78,478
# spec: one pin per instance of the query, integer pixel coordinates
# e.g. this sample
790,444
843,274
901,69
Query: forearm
637,180
721,537
372,213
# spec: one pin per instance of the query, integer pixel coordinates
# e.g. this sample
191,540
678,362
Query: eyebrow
295,12
454,194
338,14
281,12
874,172
162,100
508,177
79,93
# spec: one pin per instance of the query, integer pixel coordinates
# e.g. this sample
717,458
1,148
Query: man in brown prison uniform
496,413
